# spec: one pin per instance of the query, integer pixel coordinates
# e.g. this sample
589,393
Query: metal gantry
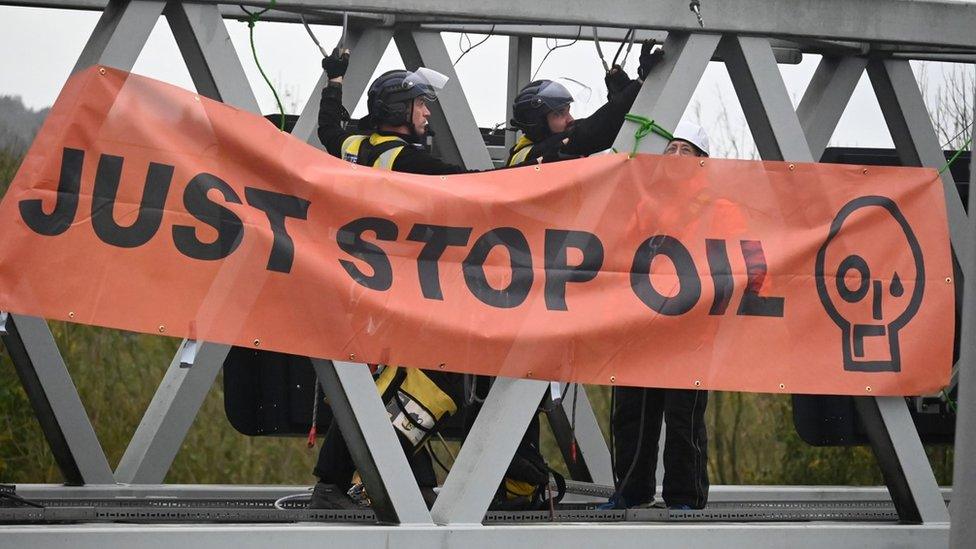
751,37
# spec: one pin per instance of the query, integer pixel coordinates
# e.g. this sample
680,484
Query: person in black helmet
398,111
549,133
541,112
418,401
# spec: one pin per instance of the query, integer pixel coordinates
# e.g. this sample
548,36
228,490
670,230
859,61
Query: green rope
949,401
252,18
646,126
955,156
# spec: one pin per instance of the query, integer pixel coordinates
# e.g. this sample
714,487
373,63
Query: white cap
692,133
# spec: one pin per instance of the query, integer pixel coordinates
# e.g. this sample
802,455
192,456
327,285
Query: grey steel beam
764,99
963,506
802,535
458,137
903,462
519,73
487,451
669,87
217,72
55,401
367,47
366,428
210,56
169,416
914,136
778,135
120,34
892,21
826,97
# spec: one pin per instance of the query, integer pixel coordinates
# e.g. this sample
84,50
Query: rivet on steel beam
101,70
868,388
441,366
792,167
443,178
948,280
352,356
864,171
613,379
162,329
188,353
782,386
71,314
257,342
538,169
701,163
697,383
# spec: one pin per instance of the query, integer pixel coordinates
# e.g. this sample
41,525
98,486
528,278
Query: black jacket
413,159
591,134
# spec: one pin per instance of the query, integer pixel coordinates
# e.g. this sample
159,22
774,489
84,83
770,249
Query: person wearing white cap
637,415
689,140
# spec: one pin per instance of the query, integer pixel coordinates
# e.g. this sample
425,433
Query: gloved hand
552,148
616,80
336,64
649,58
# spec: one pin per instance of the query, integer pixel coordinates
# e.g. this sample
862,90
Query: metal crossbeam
892,21
55,400
366,428
911,130
213,63
826,97
120,34
669,87
217,72
764,99
170,415
487,451
963,507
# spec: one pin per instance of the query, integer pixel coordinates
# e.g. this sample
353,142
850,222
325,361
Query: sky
48,42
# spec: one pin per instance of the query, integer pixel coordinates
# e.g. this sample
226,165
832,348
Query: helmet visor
561,92
425,83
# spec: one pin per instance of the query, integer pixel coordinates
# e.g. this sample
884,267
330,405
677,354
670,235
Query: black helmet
534,102
390,97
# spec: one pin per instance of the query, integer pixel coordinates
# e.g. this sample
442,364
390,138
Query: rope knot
645,127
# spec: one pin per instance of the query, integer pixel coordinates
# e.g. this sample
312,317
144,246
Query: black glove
649,57
551,148
616,80
336,64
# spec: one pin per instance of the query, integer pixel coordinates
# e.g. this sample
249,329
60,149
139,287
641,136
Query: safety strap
520,151
368,152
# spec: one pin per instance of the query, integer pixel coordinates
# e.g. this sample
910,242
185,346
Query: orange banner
145,207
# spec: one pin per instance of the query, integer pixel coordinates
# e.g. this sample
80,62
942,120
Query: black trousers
685,447
335,464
